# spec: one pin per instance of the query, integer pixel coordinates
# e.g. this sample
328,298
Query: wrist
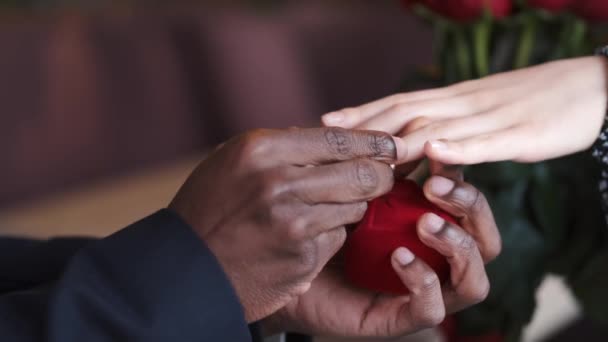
595,87
599,67
601,63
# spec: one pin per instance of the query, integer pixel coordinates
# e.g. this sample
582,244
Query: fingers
325,145
346,182
328,244
325,217
402,146
353,117
426,307
312,146
298,223
490,147
470,205
469,283
309,255
451,129
395,117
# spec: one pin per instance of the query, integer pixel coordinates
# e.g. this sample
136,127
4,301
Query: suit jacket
152,281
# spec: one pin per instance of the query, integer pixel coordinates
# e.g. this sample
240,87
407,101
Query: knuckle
478,293
495,248
302,288
336,239
428,282
482,292
338,140
416,124
255,145
271,215
359,211
366,177
471,199
466,244
307,257
430,317
351,112
269,210
435,130
272,184
474,100
479,202
339,238
295,229
399,107
402,108
382,145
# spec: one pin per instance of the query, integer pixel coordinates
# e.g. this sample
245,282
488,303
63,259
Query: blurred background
91,94
106,107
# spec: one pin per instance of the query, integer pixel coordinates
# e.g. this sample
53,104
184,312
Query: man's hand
334,307
272,205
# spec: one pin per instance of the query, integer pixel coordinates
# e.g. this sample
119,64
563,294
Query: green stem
571,39
463,58
440,41
577,39
526,43
561,49
481,32
450,67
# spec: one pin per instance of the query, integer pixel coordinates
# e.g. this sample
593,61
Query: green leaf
463,54
526,42
481,45
498,175
547,200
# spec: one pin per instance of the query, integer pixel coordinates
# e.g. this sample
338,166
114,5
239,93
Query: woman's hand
332,306
526,115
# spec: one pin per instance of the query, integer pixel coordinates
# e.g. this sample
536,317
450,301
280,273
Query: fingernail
403,256
441,186
434,223
333,118
438,145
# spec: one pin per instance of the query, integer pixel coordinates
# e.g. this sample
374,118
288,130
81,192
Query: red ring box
389,223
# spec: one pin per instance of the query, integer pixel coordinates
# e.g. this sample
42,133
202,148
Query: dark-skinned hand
333,307
272,205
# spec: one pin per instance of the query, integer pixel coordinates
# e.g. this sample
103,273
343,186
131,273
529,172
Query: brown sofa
89,95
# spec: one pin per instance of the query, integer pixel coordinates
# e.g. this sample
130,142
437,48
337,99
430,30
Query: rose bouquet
477,37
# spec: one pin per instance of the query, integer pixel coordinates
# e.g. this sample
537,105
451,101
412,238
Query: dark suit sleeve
153,281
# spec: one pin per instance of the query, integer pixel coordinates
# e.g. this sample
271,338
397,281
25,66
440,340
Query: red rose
551,5
594,10
389,223
465,10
